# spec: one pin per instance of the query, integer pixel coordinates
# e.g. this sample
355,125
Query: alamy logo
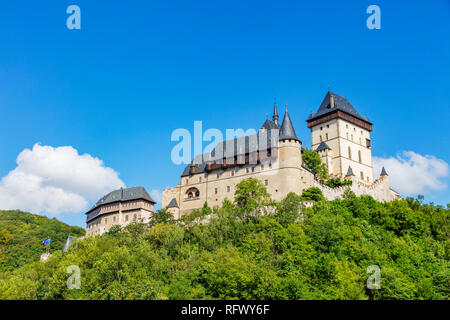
74,20
373,282
374,20
74,281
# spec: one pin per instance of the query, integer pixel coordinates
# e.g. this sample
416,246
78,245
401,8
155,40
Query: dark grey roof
173,203
383,172
261,141
287,129
322,146
340,103
349,172
269,124
124,195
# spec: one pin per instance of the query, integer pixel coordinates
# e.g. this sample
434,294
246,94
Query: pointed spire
275,112
383,172
349,172
287,129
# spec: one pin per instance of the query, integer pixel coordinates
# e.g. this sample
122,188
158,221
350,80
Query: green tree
314,163
251,197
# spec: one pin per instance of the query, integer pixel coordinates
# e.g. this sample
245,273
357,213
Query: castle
339,134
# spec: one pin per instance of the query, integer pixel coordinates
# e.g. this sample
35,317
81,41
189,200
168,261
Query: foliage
290,252
313,193
312,160
337,182
21,236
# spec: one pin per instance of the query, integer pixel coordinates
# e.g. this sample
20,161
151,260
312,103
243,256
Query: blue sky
137,70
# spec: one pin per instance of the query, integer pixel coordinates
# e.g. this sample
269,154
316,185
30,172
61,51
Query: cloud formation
411,173
56,180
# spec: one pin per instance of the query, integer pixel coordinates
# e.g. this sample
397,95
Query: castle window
362,175
368,143
232,173
321,128
215,191
360,141
228,188
326,136
106,220
134,217
262,167
186,181
253,169
270,164
266,182
114,219
347,135
217,176
346,126
126,218
359,156
320,138
349,153
192,193
248,170
352,137
328,125
199,179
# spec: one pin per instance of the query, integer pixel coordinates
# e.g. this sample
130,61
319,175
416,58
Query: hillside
22,233
253,248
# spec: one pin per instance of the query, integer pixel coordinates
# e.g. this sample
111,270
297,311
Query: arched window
192,193
359,156
349,153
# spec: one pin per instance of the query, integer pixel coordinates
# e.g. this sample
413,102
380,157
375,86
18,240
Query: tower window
362,175
359,156
349,153
247,170
253,169
326,136
320,138
262,167
228,188
232,173
266,182
321,128
215,191
199,179
218,176
346,135
368,143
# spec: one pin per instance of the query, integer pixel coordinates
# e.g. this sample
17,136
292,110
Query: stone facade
338,132
119,207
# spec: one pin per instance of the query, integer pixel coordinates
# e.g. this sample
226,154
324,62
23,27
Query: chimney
331,101
192,169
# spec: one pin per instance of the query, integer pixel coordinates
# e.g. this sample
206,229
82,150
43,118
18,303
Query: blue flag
46,242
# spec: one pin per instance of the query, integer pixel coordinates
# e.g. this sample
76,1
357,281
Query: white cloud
411,173
56,180
156,195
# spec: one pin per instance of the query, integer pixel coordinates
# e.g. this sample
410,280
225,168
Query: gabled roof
340,103
228,149
287,129
124,195
322,146
173,203
349,172
269,124
383,172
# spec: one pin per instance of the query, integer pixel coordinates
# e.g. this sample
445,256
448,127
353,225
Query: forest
250,247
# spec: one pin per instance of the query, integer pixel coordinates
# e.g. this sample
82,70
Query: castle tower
290,157
346,134
275,113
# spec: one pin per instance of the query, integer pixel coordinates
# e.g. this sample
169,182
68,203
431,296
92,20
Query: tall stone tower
342,138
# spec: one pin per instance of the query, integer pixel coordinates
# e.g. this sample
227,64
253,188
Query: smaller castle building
119,207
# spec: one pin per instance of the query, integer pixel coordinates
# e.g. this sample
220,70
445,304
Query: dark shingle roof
124,195
349,172
173,203
261,141
383,172
322,146
340,103
287,129
269,124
